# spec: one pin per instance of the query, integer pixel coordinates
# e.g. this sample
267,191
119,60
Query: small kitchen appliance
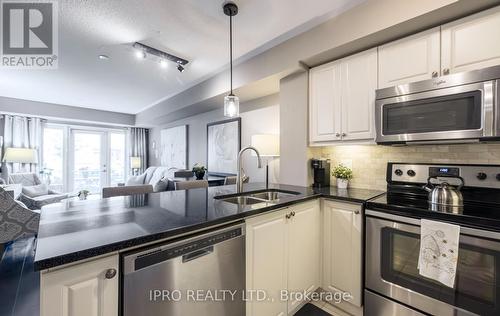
321,170
465,195
462,107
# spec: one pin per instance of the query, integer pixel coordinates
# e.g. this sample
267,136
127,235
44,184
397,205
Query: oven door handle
474,232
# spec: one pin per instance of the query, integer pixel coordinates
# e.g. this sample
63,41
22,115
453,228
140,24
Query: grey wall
65,112
367,25
260,116
294,151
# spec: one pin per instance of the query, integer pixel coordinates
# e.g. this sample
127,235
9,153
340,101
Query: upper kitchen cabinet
410,59
359,82
342,96
325,102
471,43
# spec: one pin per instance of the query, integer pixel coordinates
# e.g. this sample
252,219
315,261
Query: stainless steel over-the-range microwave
456,108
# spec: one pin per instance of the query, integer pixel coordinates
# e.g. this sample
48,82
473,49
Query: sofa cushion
161,185
36,190
26,179
159,174
137,180
149,174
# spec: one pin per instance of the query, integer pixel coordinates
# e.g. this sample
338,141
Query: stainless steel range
393,285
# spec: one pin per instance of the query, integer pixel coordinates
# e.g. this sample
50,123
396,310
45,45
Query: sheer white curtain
22,132
138,145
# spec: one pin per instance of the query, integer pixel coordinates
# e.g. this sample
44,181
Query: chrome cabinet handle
344,134
446,71
356,212
293,213
287,216
337,135
434,74
110,273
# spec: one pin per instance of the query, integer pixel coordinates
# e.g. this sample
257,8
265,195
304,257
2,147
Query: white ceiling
196,30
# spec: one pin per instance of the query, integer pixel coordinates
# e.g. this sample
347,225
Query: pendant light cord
231,50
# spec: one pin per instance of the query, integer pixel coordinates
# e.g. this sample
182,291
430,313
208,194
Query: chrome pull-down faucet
239,179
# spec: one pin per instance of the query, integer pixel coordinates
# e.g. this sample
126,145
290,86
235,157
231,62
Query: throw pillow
36,190
161,185
137,180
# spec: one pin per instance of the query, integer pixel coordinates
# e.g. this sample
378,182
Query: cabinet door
472,42
81,290
409,59
266,262
303,251
342,252
359,82
325,105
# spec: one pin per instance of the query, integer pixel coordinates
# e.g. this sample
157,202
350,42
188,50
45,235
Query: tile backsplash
369,162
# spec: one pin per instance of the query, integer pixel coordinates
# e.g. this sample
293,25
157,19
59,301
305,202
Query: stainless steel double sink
249,198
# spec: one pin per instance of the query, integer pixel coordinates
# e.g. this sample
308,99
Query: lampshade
20,155
231,106
267,144
135,162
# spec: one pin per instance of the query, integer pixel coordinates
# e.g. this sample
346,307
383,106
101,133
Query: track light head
140,54
180,68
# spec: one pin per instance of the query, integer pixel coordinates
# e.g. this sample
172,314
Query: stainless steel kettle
442,195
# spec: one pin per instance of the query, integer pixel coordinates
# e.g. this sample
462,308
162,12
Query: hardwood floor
20,284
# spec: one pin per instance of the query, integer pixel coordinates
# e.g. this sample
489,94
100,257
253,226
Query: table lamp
20,155
268,145
135,164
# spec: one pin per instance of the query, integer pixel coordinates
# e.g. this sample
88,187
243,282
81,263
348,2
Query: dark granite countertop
74,230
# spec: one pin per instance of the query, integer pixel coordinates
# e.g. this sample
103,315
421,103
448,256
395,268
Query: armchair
16,221
35,201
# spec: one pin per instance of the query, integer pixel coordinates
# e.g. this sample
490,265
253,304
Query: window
52,171
117,158
82,158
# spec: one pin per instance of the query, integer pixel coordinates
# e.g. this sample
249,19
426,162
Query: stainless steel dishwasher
200,275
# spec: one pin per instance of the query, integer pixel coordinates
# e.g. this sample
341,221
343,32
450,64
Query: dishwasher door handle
197,254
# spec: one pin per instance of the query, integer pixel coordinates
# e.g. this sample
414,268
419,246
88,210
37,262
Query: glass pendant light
231,102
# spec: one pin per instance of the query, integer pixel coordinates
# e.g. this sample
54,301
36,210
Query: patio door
88,160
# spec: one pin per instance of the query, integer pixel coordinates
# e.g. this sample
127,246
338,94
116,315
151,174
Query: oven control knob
398,172
411,173
482,176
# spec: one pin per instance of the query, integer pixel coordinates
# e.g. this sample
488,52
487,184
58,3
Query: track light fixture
143,51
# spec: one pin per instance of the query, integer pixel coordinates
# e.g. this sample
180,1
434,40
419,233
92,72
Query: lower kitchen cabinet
86,289
283,253
342,249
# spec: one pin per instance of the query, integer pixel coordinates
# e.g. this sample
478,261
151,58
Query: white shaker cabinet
303,251
266,262
86,289
342,249
282,253
325,102
409,59
359,82
342,96
471,43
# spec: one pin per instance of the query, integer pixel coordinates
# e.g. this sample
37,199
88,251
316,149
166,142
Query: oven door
454,113
392,251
